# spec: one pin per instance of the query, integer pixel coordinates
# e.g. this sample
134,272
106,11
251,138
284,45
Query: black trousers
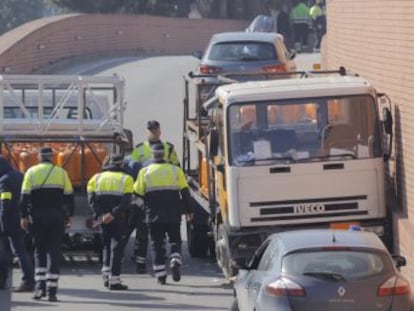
141,238
300,33
5,260
48,230
113,241
159,233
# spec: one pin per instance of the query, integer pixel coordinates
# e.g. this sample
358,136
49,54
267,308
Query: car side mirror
399,261
197,54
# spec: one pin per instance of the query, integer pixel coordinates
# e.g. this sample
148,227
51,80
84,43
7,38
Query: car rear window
350,264
243,51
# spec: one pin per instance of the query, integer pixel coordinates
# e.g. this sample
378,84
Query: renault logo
341,291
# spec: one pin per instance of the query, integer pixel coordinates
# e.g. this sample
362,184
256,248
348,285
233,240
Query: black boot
40,290
118,286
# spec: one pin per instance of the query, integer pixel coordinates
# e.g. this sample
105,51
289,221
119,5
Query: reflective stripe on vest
164,177
6,196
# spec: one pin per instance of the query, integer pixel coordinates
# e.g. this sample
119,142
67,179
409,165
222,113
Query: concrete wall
49,40
375,38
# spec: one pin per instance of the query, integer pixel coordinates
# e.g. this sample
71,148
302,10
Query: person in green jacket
300,19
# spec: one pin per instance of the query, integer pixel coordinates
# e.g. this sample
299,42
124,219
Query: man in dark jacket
10,185
109,196
47,198
164,188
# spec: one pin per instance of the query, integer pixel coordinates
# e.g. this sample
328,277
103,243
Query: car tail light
204,69
394,286
275,68
285,287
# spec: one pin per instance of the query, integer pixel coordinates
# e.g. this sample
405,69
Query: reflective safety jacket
300,14
165,191
110,191
45,187
10,185
142,152
315,11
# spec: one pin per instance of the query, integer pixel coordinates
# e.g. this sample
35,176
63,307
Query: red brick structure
46,41
374,38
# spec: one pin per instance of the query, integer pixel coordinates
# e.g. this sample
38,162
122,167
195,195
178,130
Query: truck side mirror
197,54
213,142
387,120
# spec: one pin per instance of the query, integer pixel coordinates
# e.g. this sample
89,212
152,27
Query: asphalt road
154,90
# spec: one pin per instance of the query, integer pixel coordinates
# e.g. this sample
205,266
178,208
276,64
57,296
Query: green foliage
16,12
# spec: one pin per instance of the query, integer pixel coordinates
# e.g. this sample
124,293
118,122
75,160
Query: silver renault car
323,270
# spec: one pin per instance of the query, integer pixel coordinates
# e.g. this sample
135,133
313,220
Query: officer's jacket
110,191
143,152
165,191
45,187
10,185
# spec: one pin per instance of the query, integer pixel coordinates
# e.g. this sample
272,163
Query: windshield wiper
326,275
338,155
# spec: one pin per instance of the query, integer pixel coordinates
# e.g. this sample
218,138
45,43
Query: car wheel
234,305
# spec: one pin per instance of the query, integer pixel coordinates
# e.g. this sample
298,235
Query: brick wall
375,38
46,41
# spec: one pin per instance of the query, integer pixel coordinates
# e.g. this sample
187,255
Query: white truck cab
295,153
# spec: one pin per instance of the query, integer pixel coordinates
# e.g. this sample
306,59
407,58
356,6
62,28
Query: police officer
142,154
164,189
109,196
10,187
47,198
142,151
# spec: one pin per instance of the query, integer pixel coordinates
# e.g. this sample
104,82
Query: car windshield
336,264
242,51
303,130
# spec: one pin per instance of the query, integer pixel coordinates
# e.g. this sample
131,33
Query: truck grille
309,208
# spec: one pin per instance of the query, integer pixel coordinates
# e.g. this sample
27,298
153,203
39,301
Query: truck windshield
303,130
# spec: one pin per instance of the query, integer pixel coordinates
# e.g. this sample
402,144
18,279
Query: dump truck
80,118
305,150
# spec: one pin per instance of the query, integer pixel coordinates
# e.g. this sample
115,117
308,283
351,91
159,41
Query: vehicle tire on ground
234,305
223,254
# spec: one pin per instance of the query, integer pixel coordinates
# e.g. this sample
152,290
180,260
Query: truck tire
198,240
223,253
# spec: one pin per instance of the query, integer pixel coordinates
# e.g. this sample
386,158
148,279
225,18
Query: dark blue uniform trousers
159,233
48,232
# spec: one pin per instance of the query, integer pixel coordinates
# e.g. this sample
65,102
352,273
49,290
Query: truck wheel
198,240
234,305
223,253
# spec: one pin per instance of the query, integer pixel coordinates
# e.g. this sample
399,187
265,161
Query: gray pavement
202,288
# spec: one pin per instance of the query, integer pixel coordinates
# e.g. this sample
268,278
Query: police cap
45,152
153,125
116,158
